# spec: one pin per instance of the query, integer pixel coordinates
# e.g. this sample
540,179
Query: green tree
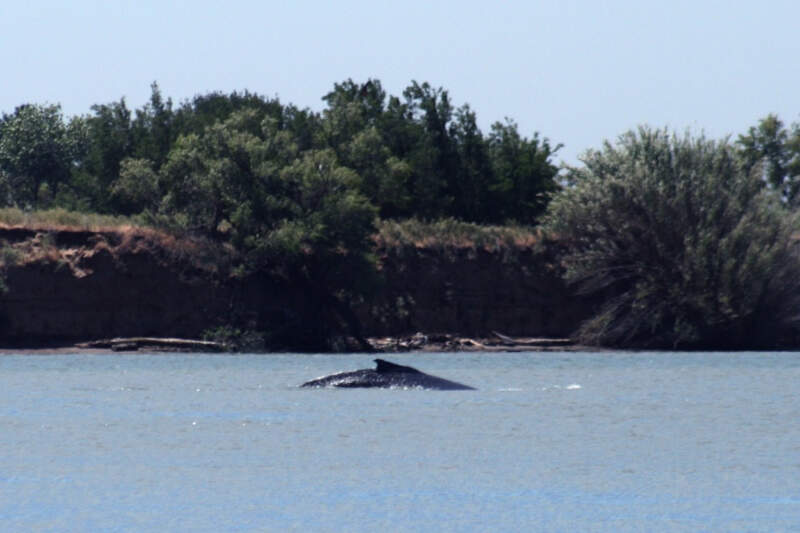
36,148
202,111
523,176
296,215
351,109
109,139
206,176
433,156
420,156
153,129
137,188
471,186
326,244
774,152
352,127
383,176
684,246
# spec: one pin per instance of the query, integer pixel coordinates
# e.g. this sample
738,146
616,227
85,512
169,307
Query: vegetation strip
685,242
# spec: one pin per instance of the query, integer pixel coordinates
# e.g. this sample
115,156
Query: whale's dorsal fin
386,367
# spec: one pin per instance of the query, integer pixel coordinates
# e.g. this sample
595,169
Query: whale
386,375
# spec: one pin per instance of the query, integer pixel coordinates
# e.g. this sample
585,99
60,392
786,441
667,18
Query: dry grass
39,249
130,235
450,233
118,235
179,249
61,219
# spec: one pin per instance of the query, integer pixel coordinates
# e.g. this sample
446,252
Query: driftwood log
127,344
532,341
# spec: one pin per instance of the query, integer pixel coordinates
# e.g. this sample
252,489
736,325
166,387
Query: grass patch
443,235
451,233
117,234
59,218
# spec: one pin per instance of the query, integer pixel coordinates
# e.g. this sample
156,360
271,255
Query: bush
683,247
235,339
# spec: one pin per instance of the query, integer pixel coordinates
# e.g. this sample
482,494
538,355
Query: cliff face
473,292
65,286
70,285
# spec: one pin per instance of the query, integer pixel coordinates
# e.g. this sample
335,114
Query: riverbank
66,285
455,343
418,342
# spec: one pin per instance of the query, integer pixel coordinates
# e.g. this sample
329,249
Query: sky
577,72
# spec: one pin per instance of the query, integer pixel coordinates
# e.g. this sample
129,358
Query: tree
298,216
351,109
36,148
774,152
352,127
420,156
109,140
137,187
326,245
153,128
383,176
433,156
523,176
208,177
471,186
202,111
684,246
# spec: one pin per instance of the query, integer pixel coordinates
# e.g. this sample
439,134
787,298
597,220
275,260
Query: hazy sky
576,71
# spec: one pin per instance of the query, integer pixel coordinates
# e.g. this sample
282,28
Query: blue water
549,442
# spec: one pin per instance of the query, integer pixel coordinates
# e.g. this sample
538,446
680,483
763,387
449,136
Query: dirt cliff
66,285
473,291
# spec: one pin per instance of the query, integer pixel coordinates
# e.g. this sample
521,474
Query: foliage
684,247
298,216
37,148
773,152
136,188
236,339
420,156
9,256
107,137
524,176
416,155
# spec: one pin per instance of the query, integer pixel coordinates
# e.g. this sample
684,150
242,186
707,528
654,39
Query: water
549,442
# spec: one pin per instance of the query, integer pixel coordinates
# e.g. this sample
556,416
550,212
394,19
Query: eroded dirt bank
472,292
65,286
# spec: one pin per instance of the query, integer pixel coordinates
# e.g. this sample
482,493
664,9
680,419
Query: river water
548,442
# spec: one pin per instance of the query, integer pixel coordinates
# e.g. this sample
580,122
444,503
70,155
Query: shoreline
418,342
444,342
396,345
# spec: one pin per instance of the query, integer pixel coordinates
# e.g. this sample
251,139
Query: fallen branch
532,341
122,344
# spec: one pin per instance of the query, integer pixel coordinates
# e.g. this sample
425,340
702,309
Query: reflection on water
550,441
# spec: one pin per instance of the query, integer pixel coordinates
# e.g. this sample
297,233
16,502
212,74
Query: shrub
235,339
9,256
684,247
